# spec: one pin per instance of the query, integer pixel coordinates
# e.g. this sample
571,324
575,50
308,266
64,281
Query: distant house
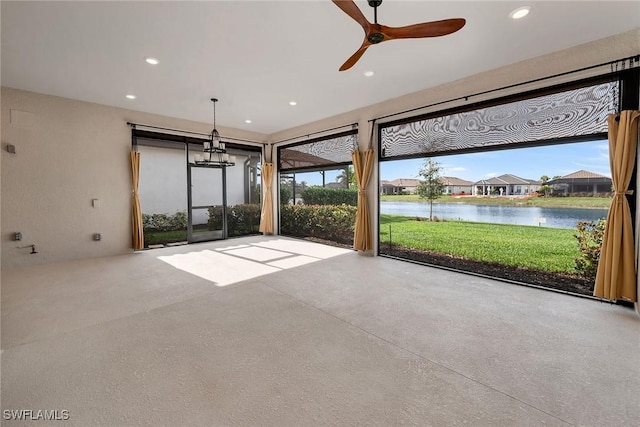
506,185
386,187
399,186
581,181
453,185
407,185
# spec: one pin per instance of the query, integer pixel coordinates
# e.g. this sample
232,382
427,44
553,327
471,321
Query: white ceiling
257,56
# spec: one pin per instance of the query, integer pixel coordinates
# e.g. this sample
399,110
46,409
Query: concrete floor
274,331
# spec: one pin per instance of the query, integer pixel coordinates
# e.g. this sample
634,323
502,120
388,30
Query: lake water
523,215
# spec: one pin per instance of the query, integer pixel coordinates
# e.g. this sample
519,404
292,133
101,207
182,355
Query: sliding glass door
207,201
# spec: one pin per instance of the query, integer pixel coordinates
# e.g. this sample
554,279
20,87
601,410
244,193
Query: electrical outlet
17,236
97,237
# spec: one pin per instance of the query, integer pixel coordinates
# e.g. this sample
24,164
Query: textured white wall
67,153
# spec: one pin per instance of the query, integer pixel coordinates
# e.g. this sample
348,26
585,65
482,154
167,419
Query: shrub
178,221
330,196
589,236
329,222
164,222
146,221
241,219
215,218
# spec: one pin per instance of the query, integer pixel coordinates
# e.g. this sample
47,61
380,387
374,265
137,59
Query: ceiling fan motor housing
375,38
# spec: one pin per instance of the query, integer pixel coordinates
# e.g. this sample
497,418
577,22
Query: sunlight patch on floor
217,267
255,253
232,264
302,247
292,262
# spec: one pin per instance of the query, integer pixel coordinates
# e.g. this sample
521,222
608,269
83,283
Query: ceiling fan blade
350,8
426,29
355,57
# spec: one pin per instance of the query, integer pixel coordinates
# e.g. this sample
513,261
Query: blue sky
530,163
315,178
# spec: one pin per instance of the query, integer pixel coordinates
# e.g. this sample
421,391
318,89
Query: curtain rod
631,59
315,133
134,125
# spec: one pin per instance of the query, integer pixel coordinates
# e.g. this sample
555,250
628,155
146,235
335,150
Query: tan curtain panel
362,166
136,211
266,216
616,277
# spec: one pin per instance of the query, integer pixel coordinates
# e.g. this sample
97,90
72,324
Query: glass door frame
206,237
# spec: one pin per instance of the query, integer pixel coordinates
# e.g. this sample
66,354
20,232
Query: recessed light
131,96
520,12
293,103
368,73
151,60
247,121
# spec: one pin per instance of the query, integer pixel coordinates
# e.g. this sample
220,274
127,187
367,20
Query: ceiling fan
376,33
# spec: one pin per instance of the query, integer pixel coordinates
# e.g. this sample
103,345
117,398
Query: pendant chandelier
215,152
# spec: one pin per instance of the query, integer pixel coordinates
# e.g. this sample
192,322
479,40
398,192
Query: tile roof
491,181
512,179
583,174
507,179
405,182
452,180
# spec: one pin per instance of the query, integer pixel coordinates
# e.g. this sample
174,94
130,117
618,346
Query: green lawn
562,202
162,237
549,249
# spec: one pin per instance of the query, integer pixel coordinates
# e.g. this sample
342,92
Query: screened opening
329,151
222,204
243,194
517,189
317,190
570,114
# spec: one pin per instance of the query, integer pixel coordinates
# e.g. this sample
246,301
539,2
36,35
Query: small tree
431,187
545,190
544,178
